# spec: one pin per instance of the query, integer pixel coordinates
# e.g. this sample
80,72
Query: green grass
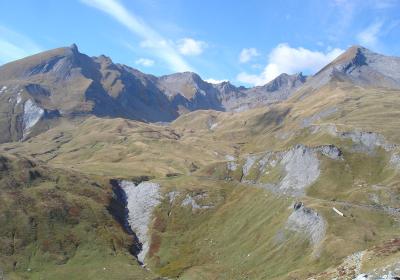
56,224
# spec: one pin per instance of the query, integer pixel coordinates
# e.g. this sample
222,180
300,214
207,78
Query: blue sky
246,42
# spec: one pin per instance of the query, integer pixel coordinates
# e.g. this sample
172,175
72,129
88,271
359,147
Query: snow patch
141,201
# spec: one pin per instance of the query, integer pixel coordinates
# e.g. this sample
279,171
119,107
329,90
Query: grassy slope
242,235
55,224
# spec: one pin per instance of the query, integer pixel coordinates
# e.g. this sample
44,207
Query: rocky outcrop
239,99
250,160
299,167
395,161
194,201
307,222
363,141
141,200
302,169
231,165
366,141
330,151
31,116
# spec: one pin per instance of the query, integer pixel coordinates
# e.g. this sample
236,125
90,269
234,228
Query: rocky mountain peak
361,66
285,81
355,56
226,86
74,48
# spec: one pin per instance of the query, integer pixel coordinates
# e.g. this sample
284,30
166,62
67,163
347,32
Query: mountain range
65,82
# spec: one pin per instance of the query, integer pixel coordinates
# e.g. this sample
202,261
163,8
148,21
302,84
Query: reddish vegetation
388,248
74,211
155,244
160,224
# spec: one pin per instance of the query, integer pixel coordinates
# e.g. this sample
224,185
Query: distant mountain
65,82
278,89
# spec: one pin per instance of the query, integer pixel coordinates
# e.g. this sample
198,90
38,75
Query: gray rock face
307,222
279,89
32,114
250,160
395,160
330,151
193,201
390,272
141,201
363,141
172,196
299,167
231,165
302,169
367,141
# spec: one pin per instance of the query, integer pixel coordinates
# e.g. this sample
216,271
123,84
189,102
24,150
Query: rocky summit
110,173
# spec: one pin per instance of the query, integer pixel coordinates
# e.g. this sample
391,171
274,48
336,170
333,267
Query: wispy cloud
346,10
189,46
247,54
384,4
15,46
369,37
145,62
162,47
285,59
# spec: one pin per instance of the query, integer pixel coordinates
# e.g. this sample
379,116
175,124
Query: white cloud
15,46
369,36
145,62
247,54
285,59
214,81
151,38
189,46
